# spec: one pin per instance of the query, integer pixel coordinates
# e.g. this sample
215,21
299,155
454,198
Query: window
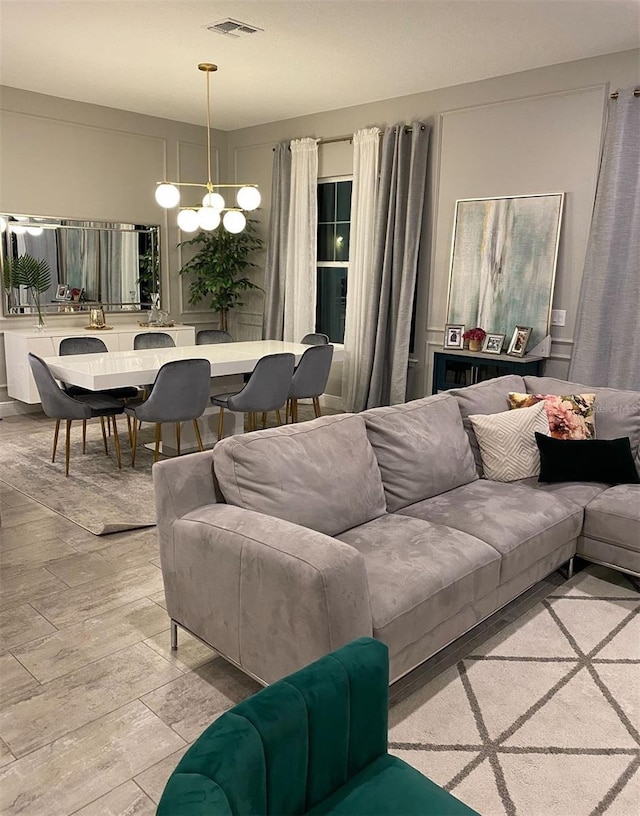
334,213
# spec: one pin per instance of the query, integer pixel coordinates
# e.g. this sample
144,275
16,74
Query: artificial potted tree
217,268
34,273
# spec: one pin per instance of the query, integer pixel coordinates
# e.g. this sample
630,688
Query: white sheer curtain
300,268
366,163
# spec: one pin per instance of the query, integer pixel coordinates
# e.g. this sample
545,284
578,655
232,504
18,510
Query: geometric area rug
544,717
96,494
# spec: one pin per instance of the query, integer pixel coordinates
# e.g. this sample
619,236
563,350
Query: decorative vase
475,345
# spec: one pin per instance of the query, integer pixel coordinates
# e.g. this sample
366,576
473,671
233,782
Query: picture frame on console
453,336
519,340
493,343
62,292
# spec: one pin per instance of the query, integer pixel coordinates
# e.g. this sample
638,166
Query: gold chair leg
84,436
294,410
156,455
116,442
278,416
104,436
316,406
196,427
287,411
264,419
178,437
220,423
67,447
129,431
134,441
55,440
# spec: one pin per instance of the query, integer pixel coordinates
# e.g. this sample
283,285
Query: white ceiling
314,55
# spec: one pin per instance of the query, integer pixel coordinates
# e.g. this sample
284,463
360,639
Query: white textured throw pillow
508,444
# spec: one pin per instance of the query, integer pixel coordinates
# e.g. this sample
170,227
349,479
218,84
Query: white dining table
116,369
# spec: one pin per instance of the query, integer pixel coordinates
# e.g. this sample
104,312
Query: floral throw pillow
570,416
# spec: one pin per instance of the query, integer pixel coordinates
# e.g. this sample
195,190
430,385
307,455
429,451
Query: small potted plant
475,337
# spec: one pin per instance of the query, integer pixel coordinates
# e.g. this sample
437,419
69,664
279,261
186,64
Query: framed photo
503,262
62,292
519,340
453,335
493,343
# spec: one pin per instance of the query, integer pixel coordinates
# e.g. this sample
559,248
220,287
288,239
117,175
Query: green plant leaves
25,270
218,265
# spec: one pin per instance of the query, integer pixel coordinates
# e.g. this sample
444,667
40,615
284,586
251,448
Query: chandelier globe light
213,209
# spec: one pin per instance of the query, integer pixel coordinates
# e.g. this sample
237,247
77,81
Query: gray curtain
274,269
403,172
606,350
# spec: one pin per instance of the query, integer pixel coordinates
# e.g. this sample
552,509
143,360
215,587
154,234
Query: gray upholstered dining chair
315,339
92,345
180,393
59,405
150,340
208,336
309,379
266,390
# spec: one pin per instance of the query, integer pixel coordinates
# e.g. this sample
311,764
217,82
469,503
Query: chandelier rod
208,68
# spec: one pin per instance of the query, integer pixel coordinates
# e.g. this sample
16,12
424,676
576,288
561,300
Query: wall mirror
90,262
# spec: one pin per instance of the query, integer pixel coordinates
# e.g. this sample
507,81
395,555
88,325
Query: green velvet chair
314,742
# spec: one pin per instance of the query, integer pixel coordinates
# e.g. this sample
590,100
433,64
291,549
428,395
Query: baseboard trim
17,408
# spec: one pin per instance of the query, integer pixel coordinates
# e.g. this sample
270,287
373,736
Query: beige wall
536,131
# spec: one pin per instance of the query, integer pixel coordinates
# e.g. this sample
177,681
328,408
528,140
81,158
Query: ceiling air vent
233,28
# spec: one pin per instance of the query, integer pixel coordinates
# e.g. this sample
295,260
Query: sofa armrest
269,594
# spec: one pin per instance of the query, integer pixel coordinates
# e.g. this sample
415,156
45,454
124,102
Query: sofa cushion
570,415
617,412
614,516
522,524
321,474
421,448
588,460
508,442
488,397
580,493
420,573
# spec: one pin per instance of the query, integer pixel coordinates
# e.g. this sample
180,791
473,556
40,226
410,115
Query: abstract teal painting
503,263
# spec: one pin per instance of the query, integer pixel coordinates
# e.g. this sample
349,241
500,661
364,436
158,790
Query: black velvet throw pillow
586,460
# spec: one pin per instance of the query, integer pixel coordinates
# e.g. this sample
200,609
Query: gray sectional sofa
281,545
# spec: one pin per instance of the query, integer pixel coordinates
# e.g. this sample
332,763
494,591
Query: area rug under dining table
96,495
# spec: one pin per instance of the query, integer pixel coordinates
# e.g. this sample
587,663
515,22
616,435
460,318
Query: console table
453,368
19,342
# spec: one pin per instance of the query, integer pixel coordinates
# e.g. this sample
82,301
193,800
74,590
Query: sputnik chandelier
208,216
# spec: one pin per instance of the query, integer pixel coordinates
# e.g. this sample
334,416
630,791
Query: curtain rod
335,139
636,92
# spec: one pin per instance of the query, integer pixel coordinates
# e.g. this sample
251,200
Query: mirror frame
60,222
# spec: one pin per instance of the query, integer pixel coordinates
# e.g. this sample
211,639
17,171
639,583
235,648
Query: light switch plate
558,317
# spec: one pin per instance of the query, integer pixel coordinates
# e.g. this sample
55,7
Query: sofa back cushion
321,474
421,448
617,412
488,397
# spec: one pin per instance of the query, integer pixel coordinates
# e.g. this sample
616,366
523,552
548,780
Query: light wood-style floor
95,710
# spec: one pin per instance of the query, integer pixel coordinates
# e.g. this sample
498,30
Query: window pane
342,242
327,201
332,301
343,208
326,242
